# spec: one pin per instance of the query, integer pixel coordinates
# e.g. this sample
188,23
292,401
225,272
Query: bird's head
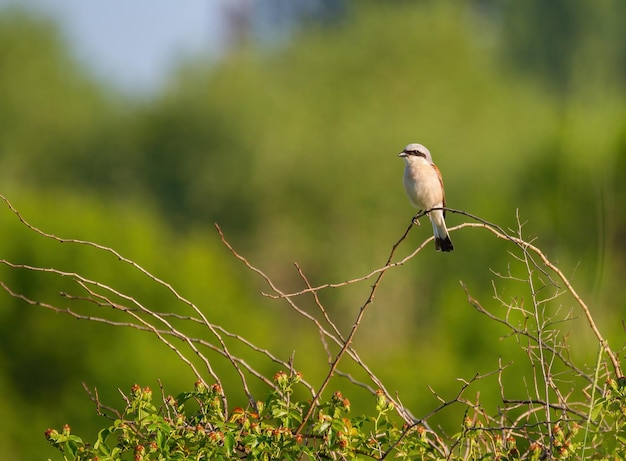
414,151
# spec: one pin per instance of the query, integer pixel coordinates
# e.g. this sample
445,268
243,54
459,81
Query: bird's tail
442,238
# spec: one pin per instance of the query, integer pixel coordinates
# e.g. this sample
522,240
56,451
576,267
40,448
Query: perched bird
424,186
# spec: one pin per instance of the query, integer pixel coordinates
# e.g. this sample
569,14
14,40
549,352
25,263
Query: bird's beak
403,154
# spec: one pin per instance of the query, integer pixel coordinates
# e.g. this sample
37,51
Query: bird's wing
443,191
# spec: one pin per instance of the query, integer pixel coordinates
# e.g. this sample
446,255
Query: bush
568,412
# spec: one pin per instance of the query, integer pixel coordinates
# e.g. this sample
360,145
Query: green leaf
160,440
229,443
100,443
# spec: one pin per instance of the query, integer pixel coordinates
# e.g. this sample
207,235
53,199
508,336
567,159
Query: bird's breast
422,185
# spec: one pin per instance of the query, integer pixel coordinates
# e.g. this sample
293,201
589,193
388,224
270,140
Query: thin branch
491,226
350,337
152,277
594,328
93,396
524,332
544,347
345,346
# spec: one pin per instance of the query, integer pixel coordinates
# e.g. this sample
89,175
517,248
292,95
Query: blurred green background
290,144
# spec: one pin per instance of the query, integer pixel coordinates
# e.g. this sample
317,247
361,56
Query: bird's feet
416,218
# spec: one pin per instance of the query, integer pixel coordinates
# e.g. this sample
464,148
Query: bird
424,186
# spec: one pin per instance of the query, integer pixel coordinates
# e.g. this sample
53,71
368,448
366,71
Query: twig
345,346
543,346
594,328
93,396
152,277
350,337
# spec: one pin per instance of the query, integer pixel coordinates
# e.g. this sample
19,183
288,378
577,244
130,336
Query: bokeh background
140,127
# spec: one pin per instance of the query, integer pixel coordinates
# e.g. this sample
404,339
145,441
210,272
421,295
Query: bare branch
548,398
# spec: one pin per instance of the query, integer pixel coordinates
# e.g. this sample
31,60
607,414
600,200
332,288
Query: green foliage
171,431
611,410
200,425
51,110
45,362
195,425
564,40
